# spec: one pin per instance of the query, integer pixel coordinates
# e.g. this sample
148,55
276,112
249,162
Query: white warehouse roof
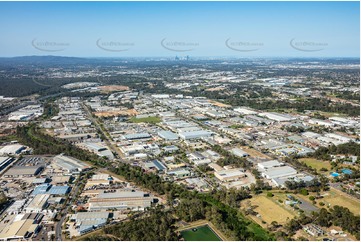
279,172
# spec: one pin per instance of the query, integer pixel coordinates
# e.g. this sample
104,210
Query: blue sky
253,29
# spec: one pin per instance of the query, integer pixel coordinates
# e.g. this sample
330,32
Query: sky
146,29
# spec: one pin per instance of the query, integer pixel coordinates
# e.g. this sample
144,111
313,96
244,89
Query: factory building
23,171
229,175
70,164
195,134
168,135
14,149
87,221
239,152
37,204
134,200
137,136
281,171
269,164
5,162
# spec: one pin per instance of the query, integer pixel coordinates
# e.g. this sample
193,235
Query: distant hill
45,60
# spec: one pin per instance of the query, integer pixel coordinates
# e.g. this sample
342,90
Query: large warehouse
281,171
195,134
12,149
229,175
136,200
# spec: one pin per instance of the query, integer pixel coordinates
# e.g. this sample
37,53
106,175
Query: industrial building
277,116
23,171
5,162
137,136
155,164
170,148
239,152
70,164
51,190
14,149
269,164
276,172
197,134
167,135
87,221
37,204
21,228
198,159
280,181
229,175
120,200
180,173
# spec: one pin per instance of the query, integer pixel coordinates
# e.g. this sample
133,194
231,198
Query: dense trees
45,144
218,206
156,225
337,216
350,148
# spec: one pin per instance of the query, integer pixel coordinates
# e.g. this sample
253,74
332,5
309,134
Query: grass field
336,197
203,233
151,120
270,209
317,164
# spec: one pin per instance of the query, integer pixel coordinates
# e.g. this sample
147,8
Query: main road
108,140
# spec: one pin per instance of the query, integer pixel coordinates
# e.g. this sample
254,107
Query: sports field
202,233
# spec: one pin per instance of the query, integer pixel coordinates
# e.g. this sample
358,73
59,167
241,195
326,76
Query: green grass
8,138
151,120
317,164
202,233
260,233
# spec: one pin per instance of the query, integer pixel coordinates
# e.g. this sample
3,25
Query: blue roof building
59,190
41,189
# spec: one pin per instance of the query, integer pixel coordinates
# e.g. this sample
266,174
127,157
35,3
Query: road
59,224
108,140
